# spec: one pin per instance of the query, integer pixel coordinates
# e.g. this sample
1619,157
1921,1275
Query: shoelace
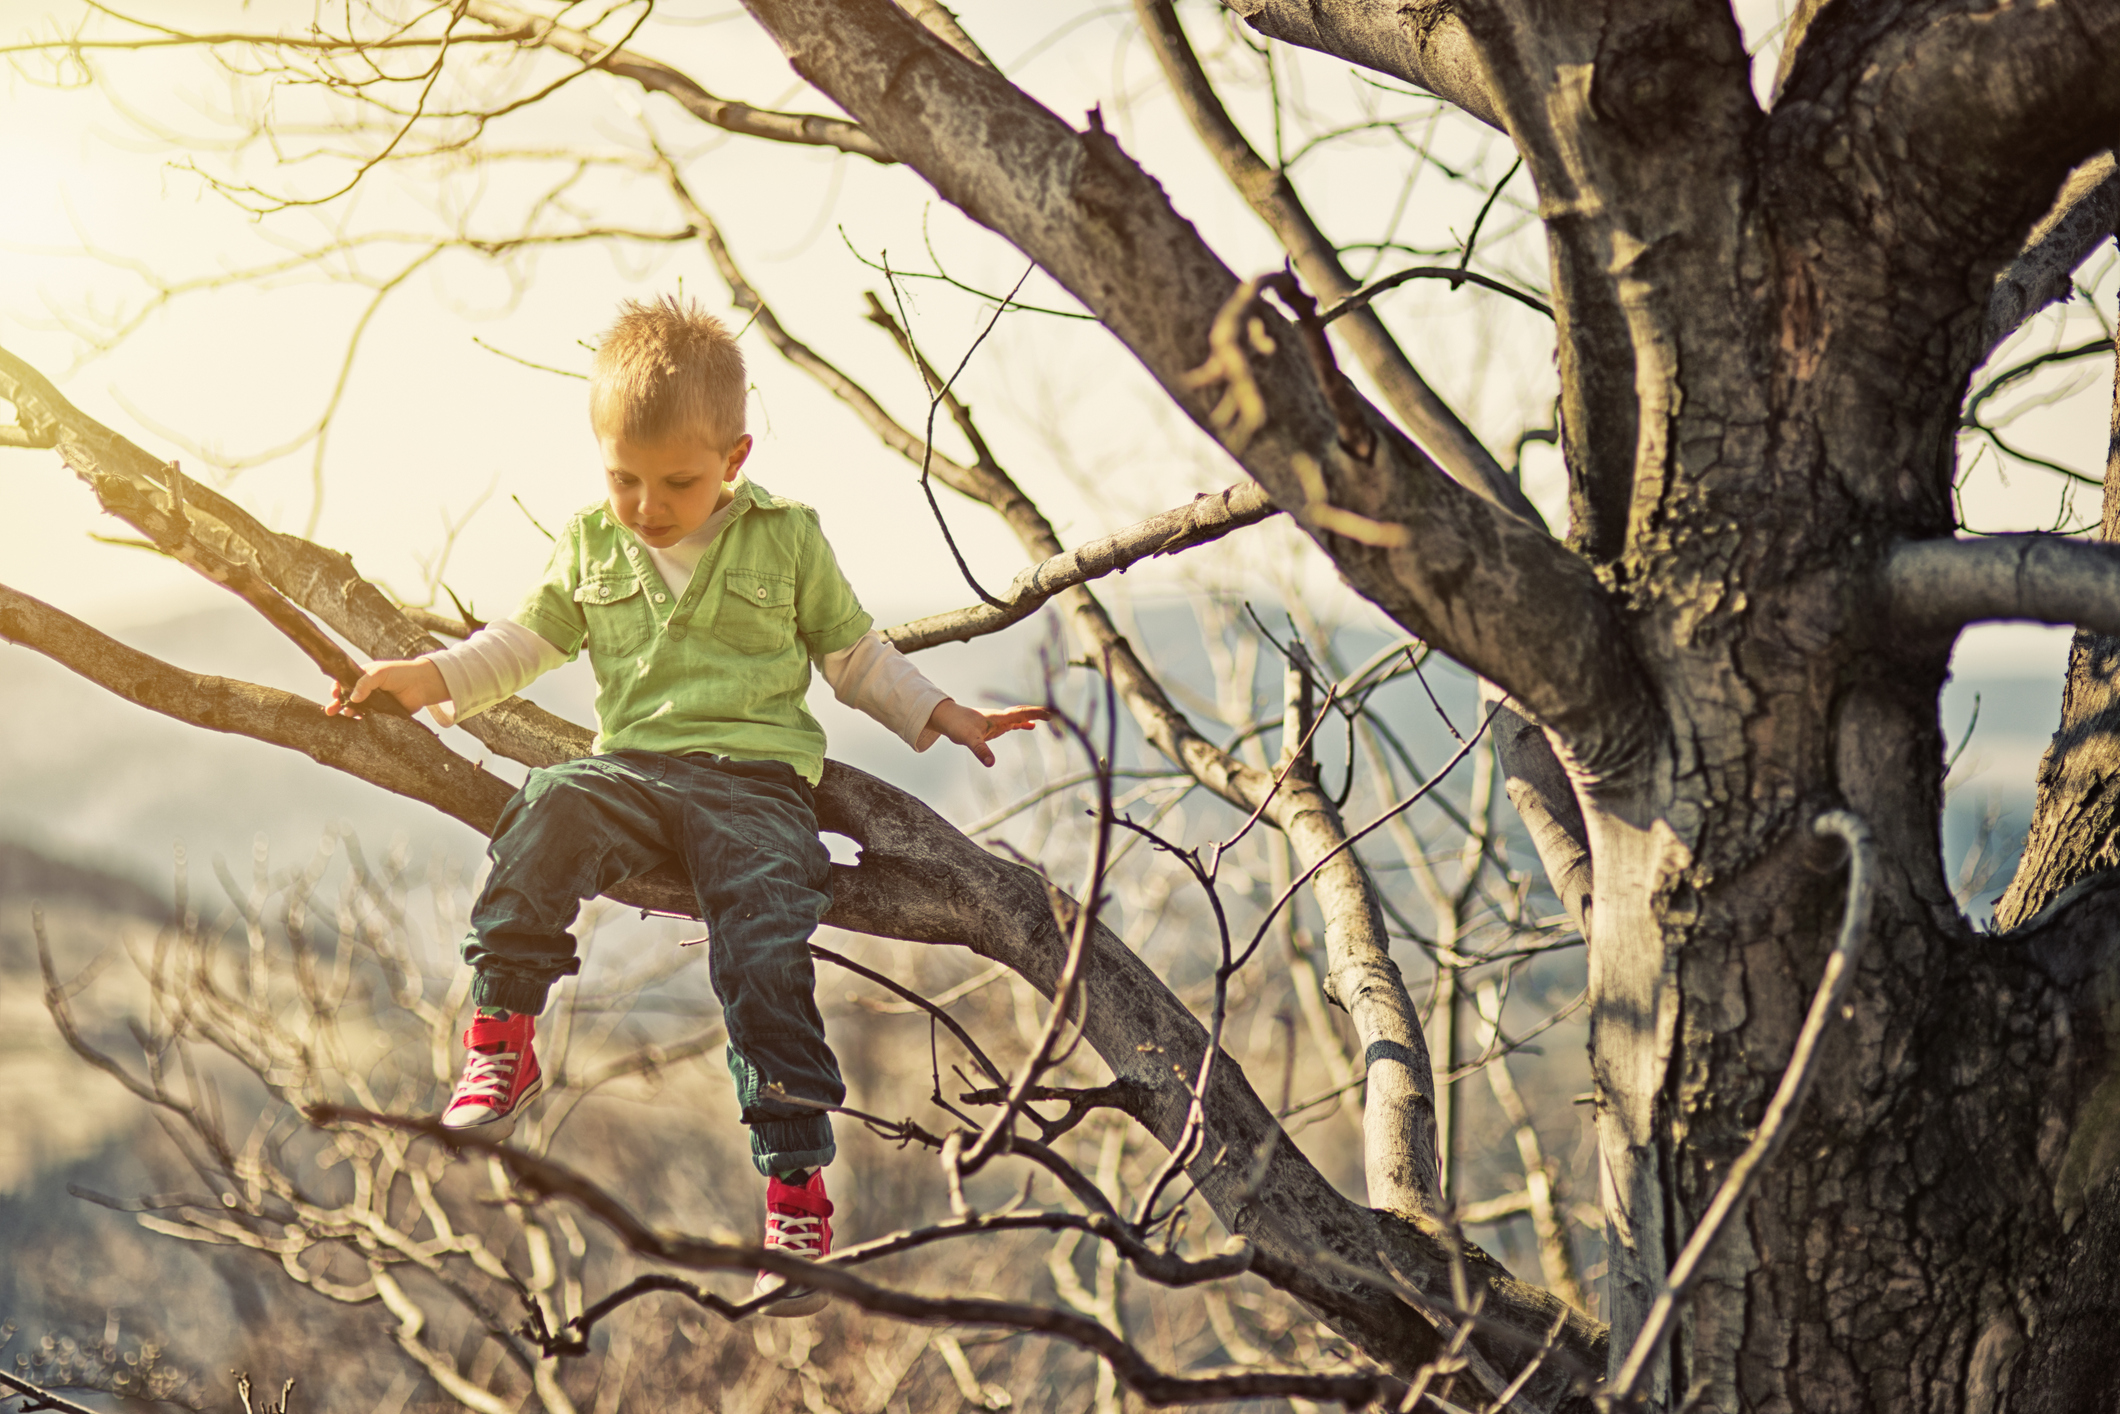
795,1231
486,1077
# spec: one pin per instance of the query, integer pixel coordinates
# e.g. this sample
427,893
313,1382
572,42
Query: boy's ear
738,455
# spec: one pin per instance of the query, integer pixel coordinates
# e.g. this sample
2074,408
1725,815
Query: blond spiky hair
668,368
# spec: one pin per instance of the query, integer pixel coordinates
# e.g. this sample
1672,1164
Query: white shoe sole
500,1126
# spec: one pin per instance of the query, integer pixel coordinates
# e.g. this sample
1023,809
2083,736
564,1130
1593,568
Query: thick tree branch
2085,214
128,481
1204,519
1425,44
1943,177
1939,586
159,510
807,129
1273,196
1537,785
1581,89
392,752
1478,583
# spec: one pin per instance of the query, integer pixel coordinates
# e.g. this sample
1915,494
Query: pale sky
430,423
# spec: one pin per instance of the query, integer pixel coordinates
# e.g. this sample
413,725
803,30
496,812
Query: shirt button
761,591
659,598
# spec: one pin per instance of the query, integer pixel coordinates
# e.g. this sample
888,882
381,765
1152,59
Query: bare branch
1348,304
1428,47
964,1037
127,479
1939,586
2085,213
162,515
1204,519
392,752
1538,786
547,1178
1273,197
803,128
1543,1197
39,1397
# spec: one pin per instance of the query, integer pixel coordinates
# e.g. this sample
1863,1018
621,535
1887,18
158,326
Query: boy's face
663,491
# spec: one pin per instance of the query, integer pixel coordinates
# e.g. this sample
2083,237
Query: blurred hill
70,1269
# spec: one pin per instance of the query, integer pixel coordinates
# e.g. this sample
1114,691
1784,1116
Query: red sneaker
500,1076
798,1222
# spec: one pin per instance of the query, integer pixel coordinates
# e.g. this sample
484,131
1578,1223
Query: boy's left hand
973,729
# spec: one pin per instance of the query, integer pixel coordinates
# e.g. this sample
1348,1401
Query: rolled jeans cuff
509,991
784,1145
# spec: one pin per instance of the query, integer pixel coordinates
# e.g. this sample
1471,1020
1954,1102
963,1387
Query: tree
1768,316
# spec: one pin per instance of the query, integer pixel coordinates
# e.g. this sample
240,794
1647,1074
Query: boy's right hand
414,682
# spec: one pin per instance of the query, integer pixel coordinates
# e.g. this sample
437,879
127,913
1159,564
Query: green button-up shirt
722,666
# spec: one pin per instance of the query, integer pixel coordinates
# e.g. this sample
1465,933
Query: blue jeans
746,834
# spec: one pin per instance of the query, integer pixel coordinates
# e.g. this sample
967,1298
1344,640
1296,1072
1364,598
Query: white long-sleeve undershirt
868,675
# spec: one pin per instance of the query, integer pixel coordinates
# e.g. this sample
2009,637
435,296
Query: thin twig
978,1056
1085,923
1456,277
1009,300
927,452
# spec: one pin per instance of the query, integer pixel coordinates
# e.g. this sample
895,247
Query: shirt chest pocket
617,612
757,612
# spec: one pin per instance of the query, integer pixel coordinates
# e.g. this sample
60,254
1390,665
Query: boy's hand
973,729
414,682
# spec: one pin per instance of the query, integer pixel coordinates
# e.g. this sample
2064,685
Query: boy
702,599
